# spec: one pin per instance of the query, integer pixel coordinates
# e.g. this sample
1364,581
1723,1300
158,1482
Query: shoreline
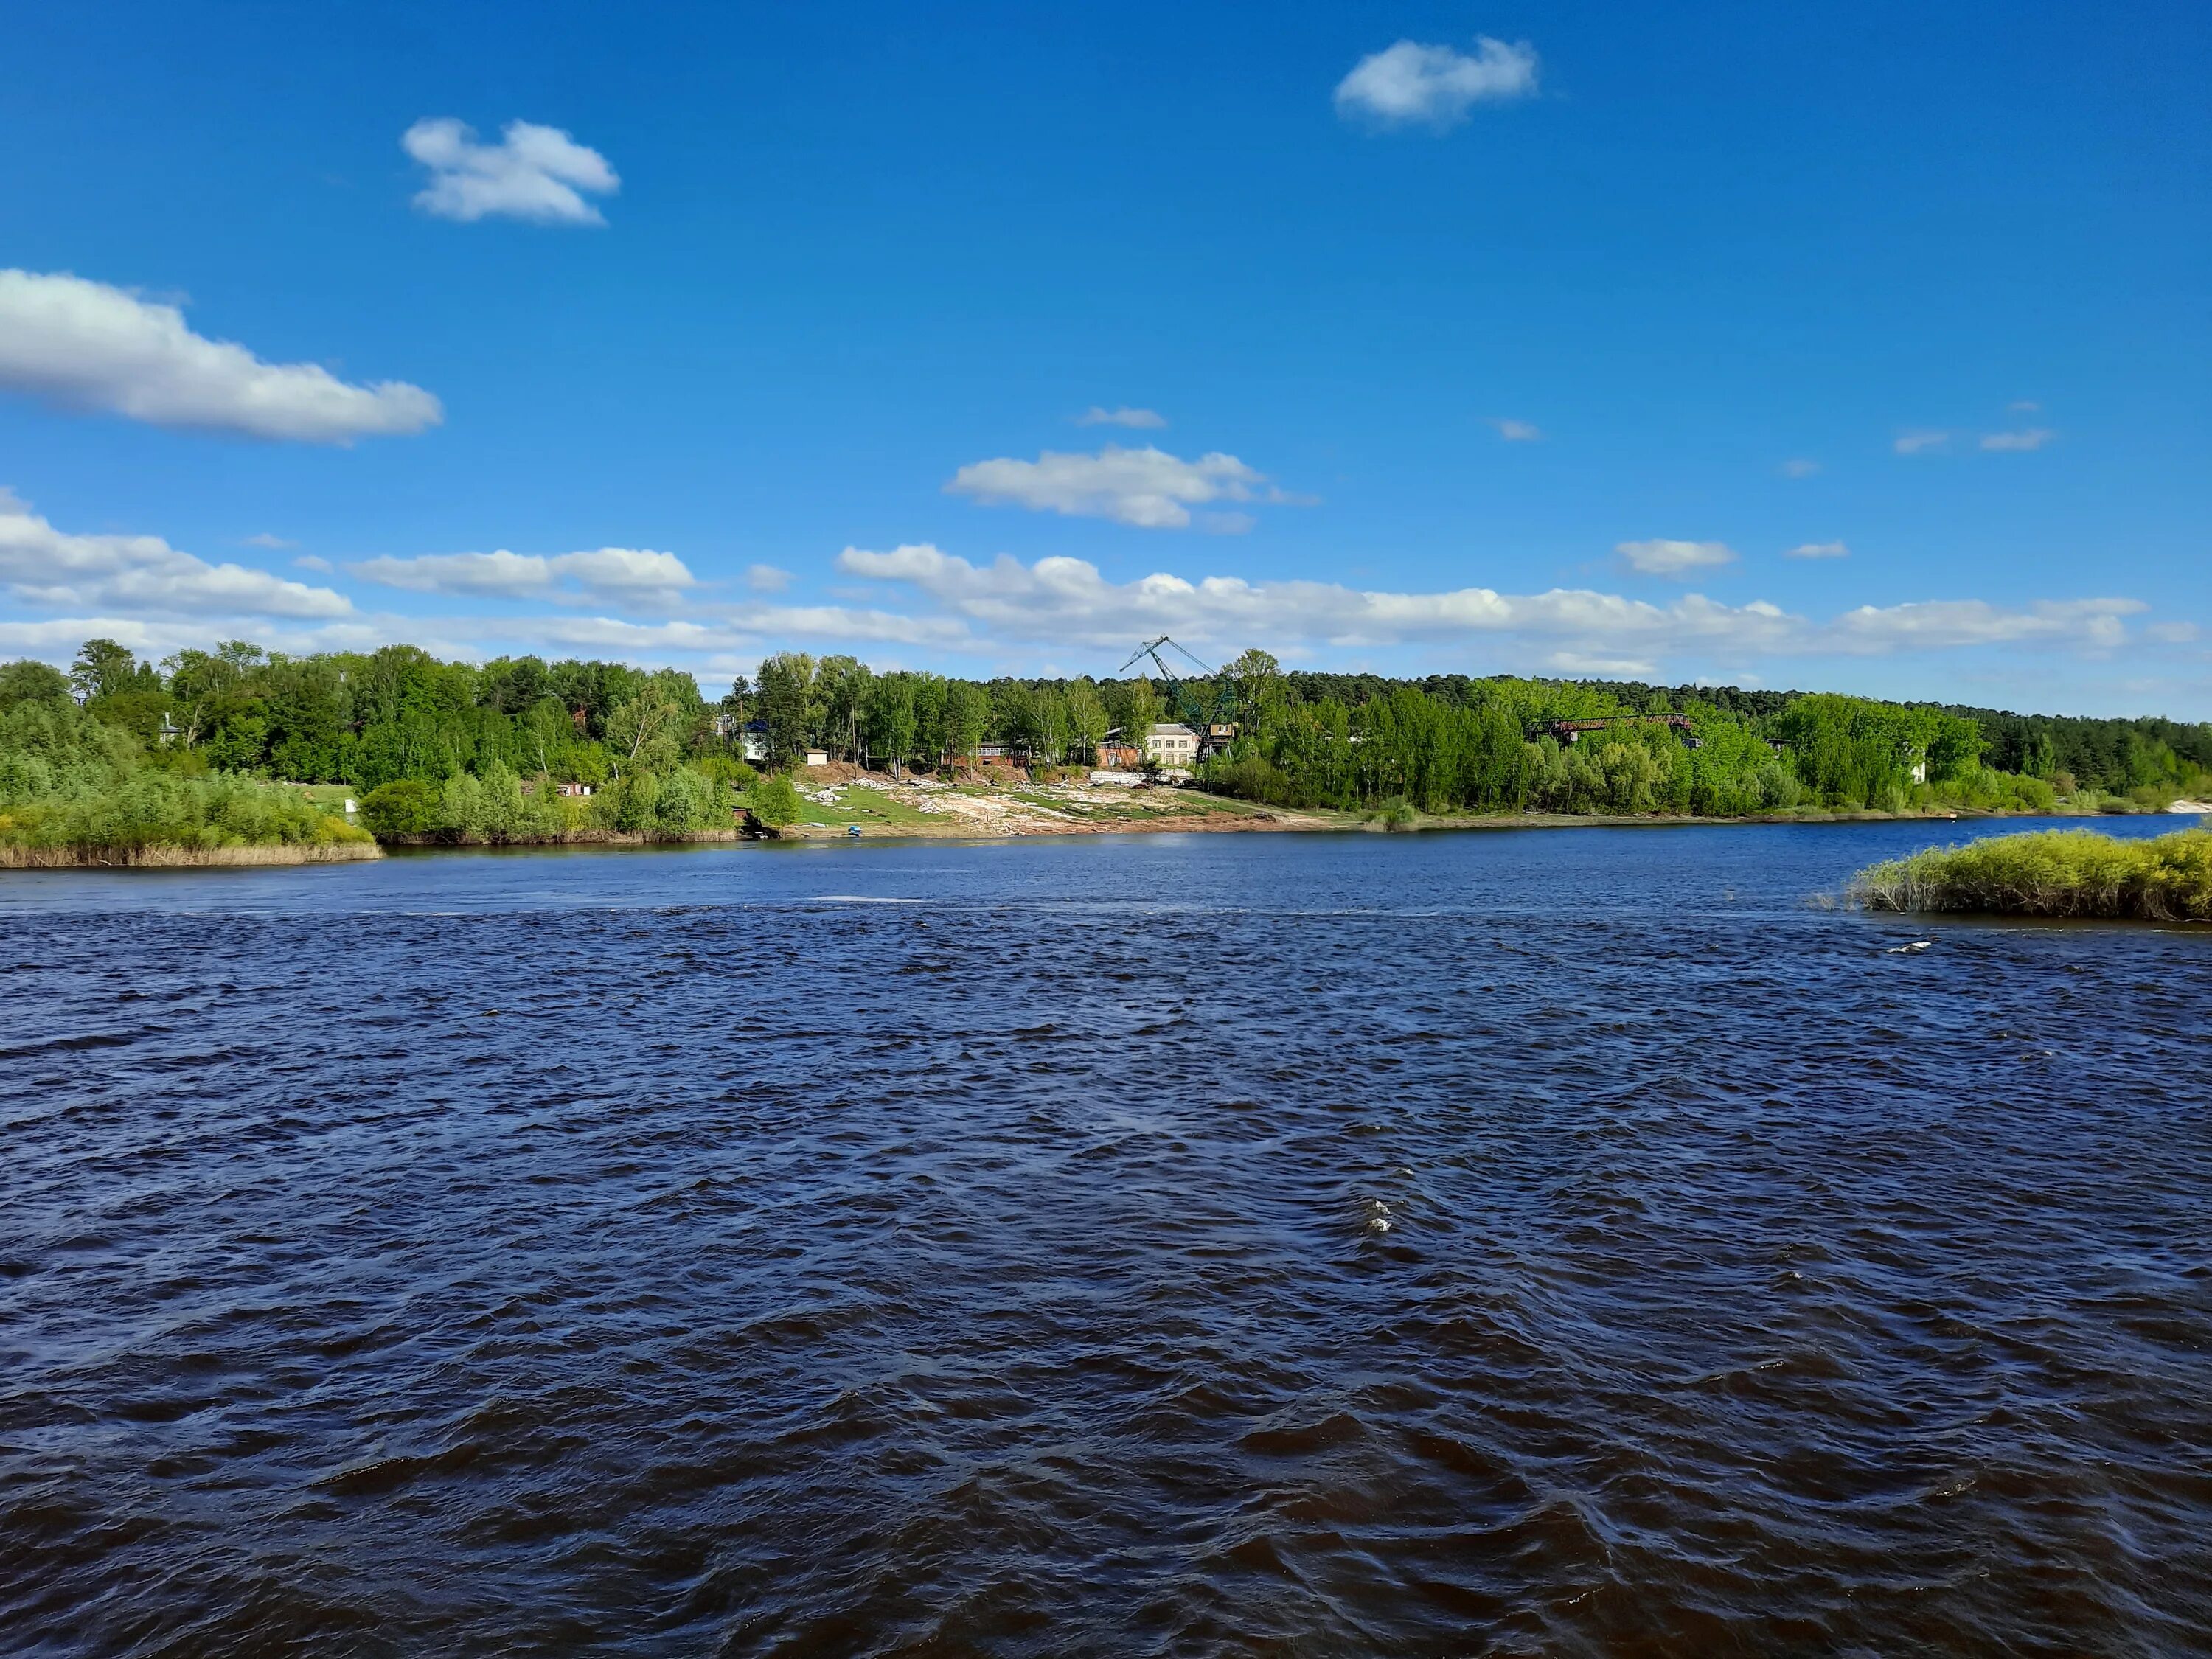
169,856
1221,814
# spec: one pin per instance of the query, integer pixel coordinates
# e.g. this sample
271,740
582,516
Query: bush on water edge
2052,873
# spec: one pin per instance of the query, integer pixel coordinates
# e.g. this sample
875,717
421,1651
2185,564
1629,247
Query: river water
1550,1242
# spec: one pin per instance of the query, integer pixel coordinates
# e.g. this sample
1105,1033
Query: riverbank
925,809
166,856
570,838
2052,872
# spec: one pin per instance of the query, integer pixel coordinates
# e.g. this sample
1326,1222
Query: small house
573,789
818,757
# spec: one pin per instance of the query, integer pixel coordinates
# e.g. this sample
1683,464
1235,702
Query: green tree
785,699
774,802
1086,720
405,806
644,734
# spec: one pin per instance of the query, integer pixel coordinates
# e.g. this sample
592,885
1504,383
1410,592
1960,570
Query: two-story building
1172,744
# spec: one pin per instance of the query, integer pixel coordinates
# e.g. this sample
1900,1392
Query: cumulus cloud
312,562
538,174
1066,599
2033,439
637,574
1915,443
2093,624
1147,488
1067,602
767,578
1410,84
1124,416
1676,559
1818,551
1517,432
1800,466
53,570
85,345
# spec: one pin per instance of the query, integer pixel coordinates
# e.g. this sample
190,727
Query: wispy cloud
1674,559
767,578
311,561
1410,84
1124,416
534,173
1517,432
1146,487
1818,551
1800,466
51,569
272,543
2033,439
637,574
1917,443
86,345
2024,406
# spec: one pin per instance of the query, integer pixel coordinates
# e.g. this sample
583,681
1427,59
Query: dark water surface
944,1250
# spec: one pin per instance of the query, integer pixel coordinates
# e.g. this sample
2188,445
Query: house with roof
1171,744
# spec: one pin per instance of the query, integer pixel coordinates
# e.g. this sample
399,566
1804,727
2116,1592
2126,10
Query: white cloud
636,575
1581,662
1818,551
1914,443
1066,603
273,544
2024,406
85,345
534,173
1124,416
2033,439
51,569
1147,488
2173,633
767,578
1411,84
313,561
1800,467
1672,558
2093,624
1517,432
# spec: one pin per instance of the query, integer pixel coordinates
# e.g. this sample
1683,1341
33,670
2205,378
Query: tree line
484,750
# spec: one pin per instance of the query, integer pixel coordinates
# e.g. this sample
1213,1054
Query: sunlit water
1562,1243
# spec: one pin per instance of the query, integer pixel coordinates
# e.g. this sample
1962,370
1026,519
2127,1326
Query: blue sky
1535,338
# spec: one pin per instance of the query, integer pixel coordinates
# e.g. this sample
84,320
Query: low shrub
2052,873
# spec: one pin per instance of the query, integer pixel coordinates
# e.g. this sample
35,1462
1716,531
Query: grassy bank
2052,873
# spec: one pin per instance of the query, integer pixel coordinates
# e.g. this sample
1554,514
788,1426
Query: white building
1171,744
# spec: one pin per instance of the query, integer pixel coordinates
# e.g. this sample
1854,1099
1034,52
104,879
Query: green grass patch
2052,873
864,806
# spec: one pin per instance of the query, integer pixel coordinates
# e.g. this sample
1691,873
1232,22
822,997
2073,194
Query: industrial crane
1188,708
